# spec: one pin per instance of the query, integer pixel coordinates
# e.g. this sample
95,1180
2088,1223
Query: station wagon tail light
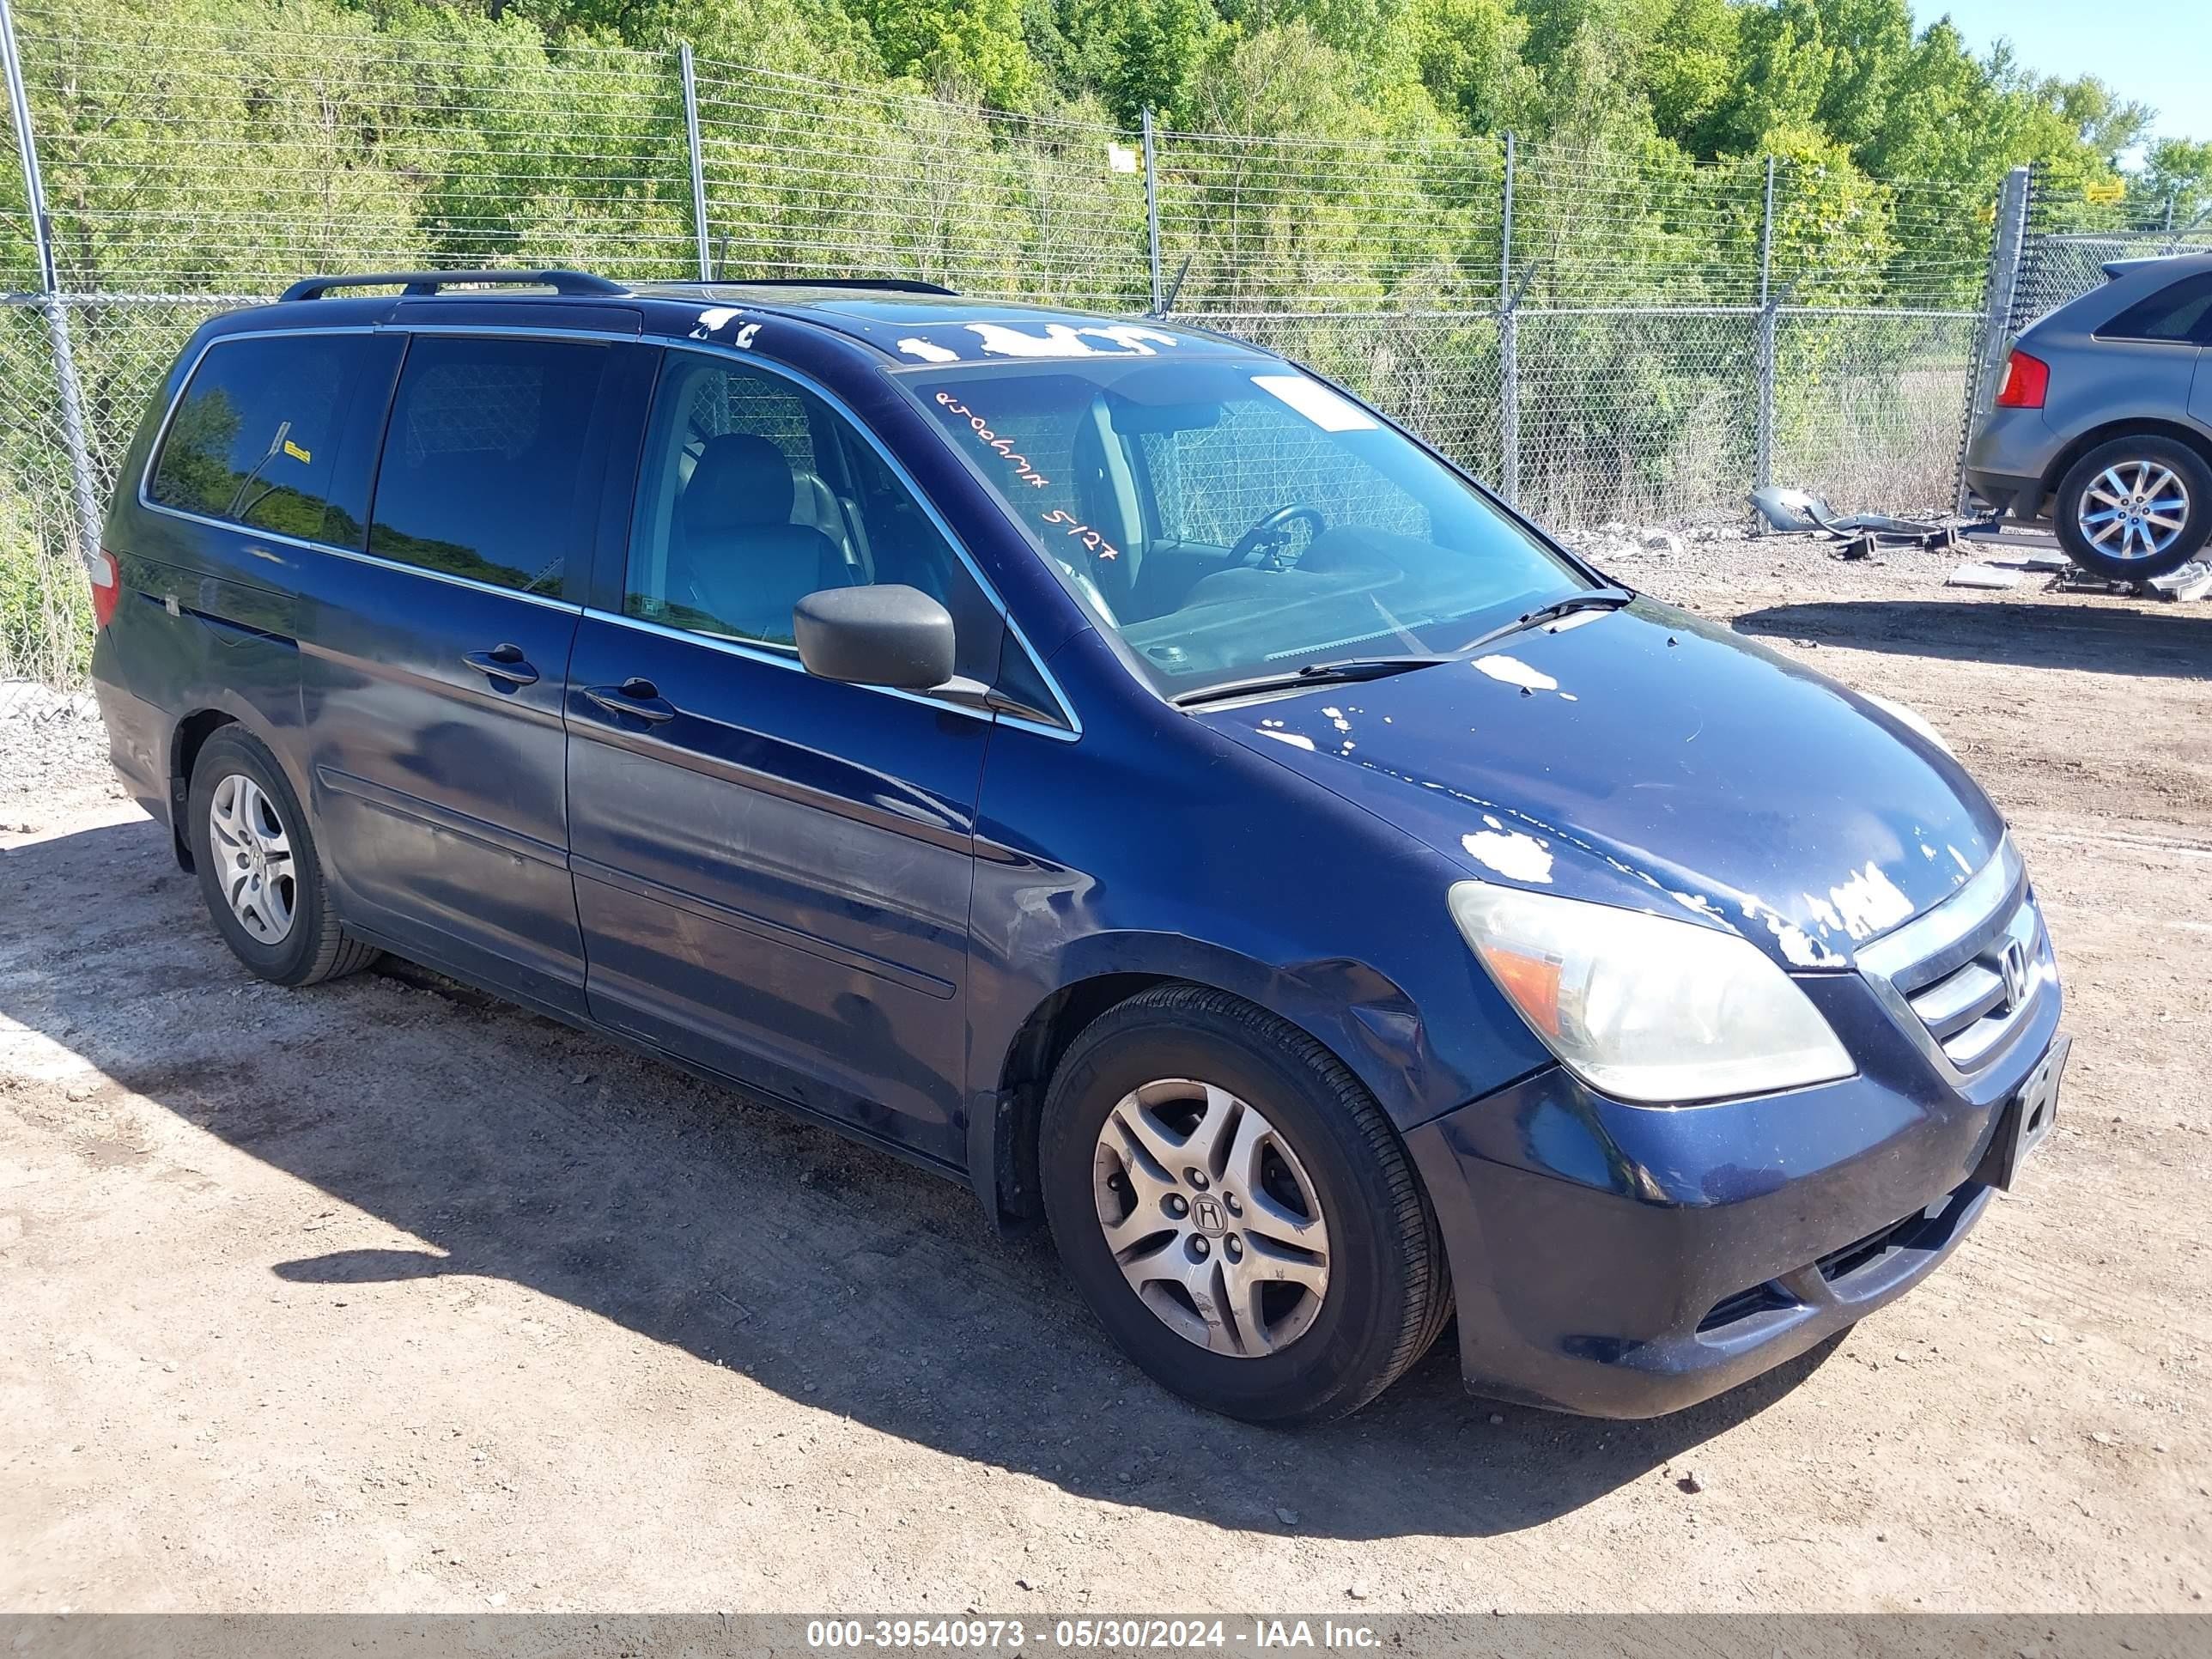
1645,1008
2026,379
107,586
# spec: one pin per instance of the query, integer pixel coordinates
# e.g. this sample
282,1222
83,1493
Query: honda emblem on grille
2016,967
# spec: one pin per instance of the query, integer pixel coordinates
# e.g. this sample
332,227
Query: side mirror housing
879,635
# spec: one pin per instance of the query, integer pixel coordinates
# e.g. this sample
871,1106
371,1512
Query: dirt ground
381,1296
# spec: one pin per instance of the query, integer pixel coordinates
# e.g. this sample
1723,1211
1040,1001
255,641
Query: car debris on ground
1787,512
1973,575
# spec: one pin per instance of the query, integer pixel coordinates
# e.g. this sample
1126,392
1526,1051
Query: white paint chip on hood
1512,670
1869,902
1515,856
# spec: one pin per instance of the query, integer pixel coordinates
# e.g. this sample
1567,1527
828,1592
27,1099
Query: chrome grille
1962,976
1971,1010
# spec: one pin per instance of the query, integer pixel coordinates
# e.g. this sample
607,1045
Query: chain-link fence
2070,236
1605,336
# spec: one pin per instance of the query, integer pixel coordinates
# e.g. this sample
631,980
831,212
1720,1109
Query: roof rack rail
430,282
889,284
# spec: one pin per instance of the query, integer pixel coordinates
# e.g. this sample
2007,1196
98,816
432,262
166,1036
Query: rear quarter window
254,440
481,471
2181,313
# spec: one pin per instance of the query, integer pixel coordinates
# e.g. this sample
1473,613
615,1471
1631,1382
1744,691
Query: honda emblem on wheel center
1205,1215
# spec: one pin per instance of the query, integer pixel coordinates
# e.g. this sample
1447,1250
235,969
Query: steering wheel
1263,546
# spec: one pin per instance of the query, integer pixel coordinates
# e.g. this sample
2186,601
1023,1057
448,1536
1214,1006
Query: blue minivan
1103,761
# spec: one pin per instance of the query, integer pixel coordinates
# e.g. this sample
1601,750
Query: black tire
2123,455
314,947
1388,1294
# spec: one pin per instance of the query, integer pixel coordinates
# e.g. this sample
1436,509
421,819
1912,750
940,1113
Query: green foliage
1467,53
222,147
474,131
2175,185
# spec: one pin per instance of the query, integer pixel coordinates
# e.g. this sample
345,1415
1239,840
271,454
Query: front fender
1157,849
1356,1011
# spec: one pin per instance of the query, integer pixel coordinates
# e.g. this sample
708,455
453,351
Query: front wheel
1237,1211
2135,508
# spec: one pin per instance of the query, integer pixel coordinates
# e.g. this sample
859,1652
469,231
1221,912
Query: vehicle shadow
517,1149
2171,641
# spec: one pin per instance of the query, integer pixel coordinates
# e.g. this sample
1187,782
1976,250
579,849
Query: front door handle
503,663
639,699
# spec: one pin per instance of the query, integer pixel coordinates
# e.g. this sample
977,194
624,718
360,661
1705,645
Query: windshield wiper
1343,671
1590,599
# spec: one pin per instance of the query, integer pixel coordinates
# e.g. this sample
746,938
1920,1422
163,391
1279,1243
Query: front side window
253,440
482,455
1233,519
2182,312
755,493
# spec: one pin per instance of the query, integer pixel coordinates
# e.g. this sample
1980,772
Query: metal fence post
2008,240
1509,344
1763,442
66,384
1152,210
698,161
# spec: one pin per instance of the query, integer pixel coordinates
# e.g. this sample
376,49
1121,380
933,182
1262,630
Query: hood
1647,758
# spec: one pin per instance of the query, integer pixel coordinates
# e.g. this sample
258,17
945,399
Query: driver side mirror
890,635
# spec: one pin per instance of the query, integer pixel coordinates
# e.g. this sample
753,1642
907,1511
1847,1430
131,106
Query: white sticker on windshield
1317,402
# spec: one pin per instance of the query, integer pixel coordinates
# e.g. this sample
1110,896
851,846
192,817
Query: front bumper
1621,1260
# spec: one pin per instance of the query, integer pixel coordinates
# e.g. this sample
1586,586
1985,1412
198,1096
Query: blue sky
2159,51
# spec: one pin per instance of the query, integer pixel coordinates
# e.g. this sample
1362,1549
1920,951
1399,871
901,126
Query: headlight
1643,1008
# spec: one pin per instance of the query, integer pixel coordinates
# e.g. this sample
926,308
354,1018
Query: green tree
2175,184
1467,54
1694,62
1152,49
976,46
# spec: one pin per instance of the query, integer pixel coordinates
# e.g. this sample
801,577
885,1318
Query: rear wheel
2135,508
1237,1211
259,869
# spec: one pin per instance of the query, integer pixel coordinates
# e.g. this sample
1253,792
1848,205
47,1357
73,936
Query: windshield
1233,518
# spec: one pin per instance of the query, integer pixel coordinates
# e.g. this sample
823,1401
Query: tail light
2027,379
107,586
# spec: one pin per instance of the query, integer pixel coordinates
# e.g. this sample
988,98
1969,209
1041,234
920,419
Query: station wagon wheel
1236,1209
259,870
2135,508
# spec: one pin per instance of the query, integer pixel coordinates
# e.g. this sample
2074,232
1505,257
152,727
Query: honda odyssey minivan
1104,762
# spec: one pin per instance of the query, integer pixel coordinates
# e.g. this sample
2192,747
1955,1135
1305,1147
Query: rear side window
481,471
253,440
2181,312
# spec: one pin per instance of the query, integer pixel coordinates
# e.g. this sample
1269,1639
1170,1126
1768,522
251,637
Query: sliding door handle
639,699
503,663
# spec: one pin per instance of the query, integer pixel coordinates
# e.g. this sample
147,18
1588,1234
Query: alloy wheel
254,853
2134,509
1212,1218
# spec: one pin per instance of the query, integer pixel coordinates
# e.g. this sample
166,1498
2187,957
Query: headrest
740,478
